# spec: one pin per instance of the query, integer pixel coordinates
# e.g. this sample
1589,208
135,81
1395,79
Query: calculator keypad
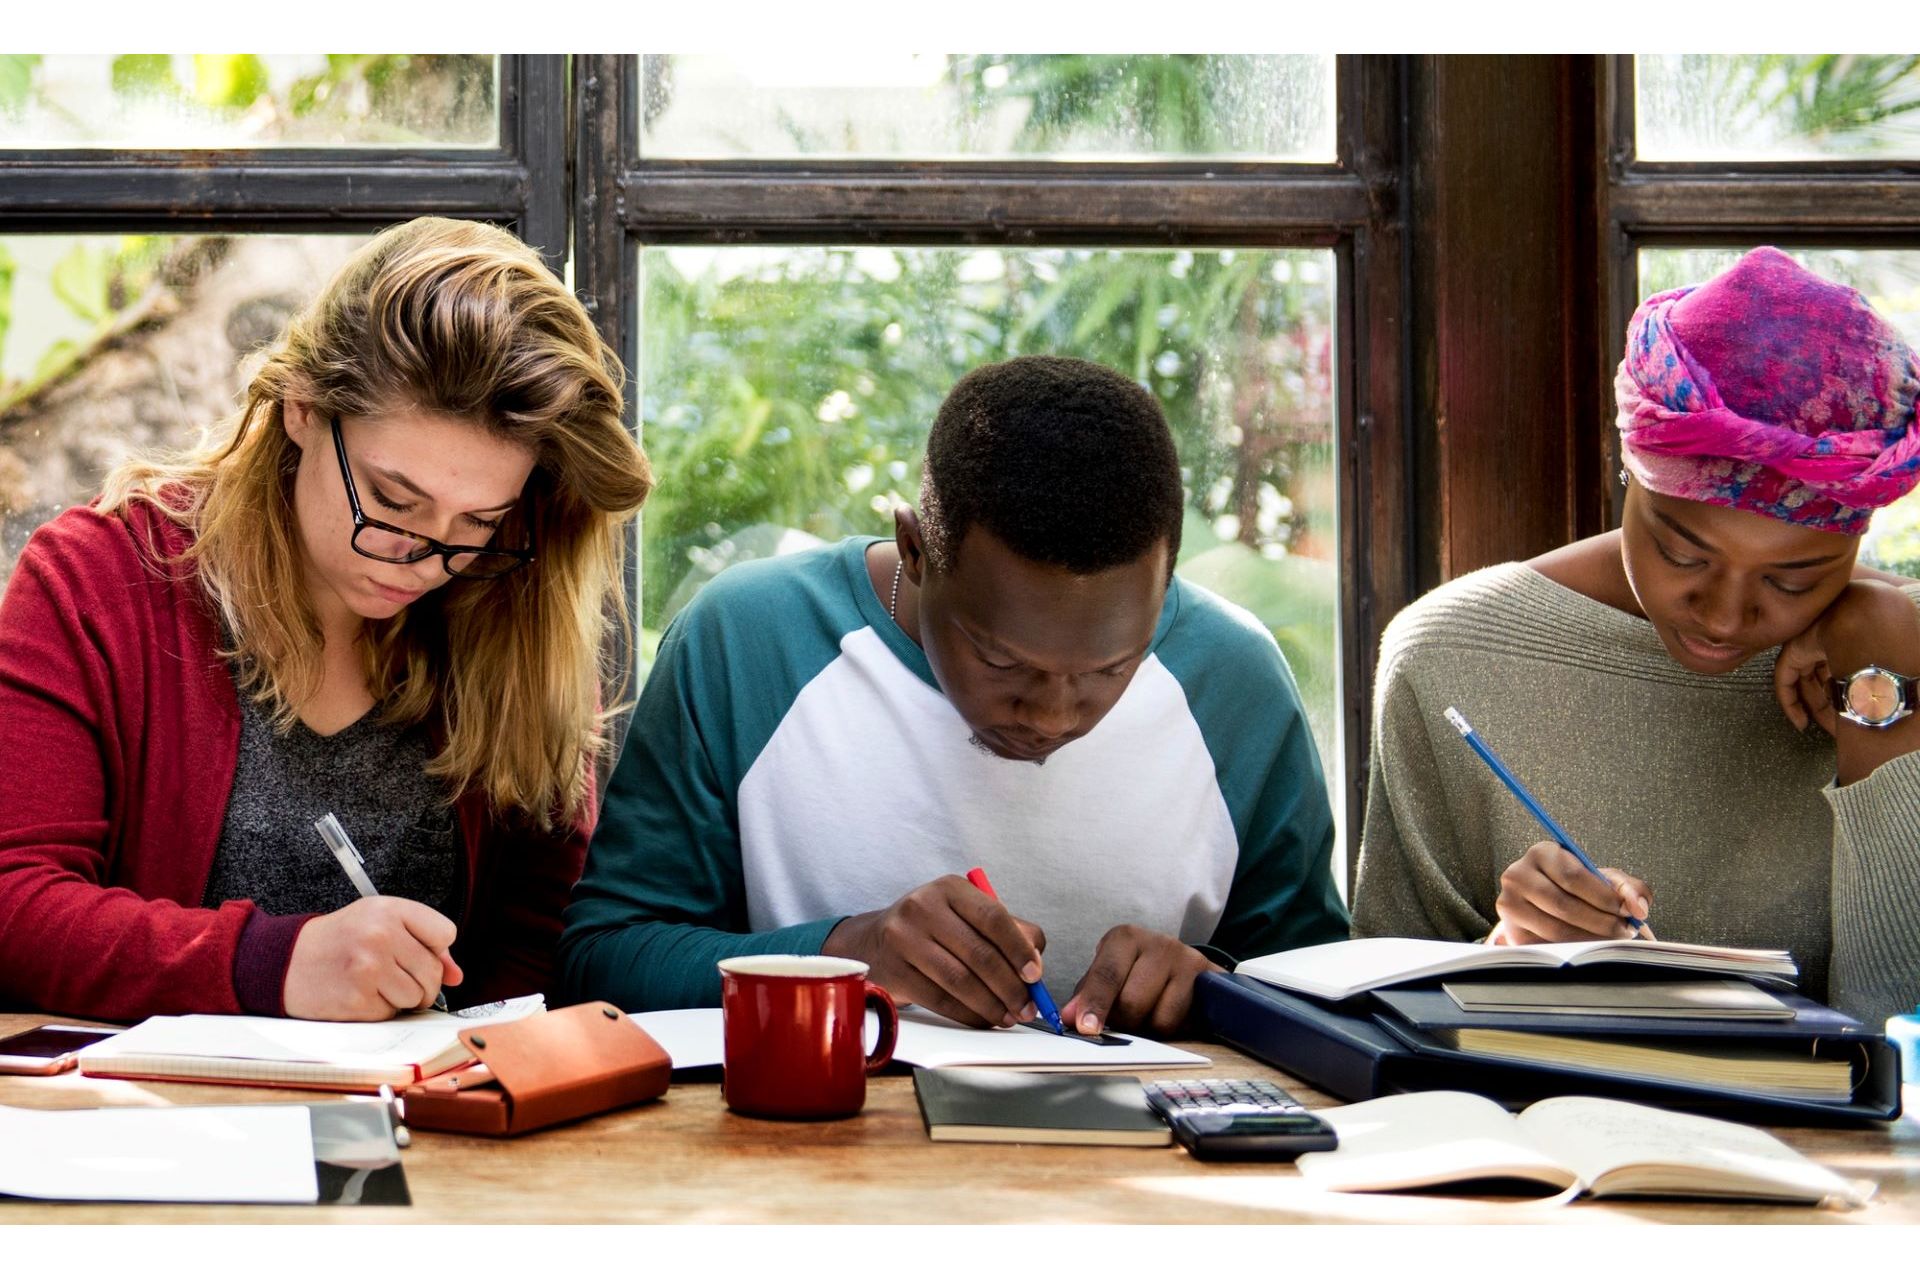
1221,1097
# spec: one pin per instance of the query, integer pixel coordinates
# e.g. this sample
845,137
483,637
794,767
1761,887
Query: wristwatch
1873,696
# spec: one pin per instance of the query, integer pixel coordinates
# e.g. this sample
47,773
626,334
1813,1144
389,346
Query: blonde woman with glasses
381,595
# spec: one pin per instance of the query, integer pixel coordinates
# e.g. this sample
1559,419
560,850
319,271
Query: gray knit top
373,778
1697,784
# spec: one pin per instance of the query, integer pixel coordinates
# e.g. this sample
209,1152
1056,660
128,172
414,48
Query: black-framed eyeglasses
377,540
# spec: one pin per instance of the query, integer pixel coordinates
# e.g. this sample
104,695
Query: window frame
521,184
1867,203
1355,206
567,176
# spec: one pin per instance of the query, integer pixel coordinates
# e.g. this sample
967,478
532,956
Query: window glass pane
1776,106
191,101
1890,279
111,344
786,395
1071,106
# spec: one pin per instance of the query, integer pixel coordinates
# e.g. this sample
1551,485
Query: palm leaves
1779,106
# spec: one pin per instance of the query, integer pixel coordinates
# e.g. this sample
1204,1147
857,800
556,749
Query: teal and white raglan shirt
792,762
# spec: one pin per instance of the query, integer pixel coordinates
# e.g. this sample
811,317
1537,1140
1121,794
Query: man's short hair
1065,461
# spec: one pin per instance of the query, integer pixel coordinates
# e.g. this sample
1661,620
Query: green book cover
1015,1106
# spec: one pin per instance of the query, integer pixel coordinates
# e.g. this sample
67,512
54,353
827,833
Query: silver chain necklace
893,601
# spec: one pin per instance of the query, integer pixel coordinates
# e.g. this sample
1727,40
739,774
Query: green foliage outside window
1778,106
785,395
249,100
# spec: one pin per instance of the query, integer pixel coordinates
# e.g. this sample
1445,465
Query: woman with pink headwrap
1715,696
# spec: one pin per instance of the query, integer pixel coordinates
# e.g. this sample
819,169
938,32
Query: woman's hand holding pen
370,960
1548,896
948,947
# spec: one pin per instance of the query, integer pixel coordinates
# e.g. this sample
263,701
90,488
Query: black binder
1355,1051
1428,1008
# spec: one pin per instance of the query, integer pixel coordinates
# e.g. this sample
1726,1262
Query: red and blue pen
1038,990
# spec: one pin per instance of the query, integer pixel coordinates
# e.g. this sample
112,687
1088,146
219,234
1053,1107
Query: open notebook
1591,1145
1336,970
296,1053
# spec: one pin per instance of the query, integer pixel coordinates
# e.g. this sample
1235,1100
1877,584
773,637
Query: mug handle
881,1003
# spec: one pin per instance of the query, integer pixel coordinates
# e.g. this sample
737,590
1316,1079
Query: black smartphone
48,1050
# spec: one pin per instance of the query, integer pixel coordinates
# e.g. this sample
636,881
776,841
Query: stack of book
1704,1028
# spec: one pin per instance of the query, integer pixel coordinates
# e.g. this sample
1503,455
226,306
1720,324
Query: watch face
1873,694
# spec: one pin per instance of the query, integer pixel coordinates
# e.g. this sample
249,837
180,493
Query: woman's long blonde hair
462,320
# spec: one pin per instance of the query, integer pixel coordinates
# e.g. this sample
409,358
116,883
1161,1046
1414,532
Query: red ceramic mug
792,1031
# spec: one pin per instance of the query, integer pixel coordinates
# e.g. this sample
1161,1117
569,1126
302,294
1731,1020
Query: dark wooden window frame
560,173
1861,204
1356,207
522,183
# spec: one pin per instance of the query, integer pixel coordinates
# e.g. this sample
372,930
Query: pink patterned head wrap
1771,390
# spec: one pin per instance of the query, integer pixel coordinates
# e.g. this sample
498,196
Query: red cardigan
119,736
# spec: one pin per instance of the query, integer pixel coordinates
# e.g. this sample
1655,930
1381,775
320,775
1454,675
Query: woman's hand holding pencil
1548,896
1555,892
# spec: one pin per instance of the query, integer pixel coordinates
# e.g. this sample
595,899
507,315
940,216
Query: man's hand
1139,981
951,948
1548,896
369,961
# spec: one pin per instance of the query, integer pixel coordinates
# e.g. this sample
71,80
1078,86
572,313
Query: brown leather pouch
542,1070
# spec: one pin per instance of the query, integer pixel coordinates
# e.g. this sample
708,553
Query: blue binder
1356,1050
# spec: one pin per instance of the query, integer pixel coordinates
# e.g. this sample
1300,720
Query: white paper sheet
692,1038
241,1155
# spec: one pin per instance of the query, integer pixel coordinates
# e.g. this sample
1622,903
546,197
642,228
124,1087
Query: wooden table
687,1159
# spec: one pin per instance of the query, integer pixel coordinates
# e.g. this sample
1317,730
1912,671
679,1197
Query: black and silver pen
355,866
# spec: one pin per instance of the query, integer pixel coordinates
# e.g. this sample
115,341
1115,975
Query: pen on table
1038,990
1560,837
355,866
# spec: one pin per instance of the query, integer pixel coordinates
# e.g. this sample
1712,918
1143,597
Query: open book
294,1053
1591,1145
1336,970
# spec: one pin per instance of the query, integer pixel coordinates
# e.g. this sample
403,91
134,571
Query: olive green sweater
1697,784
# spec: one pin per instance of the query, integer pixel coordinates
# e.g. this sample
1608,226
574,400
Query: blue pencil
1525,797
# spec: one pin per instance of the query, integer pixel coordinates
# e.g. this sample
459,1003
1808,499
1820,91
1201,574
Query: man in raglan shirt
829,740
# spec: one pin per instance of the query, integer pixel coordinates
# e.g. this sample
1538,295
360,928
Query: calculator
1239,1119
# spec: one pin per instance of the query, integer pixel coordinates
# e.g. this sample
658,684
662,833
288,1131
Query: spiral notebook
292,1053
